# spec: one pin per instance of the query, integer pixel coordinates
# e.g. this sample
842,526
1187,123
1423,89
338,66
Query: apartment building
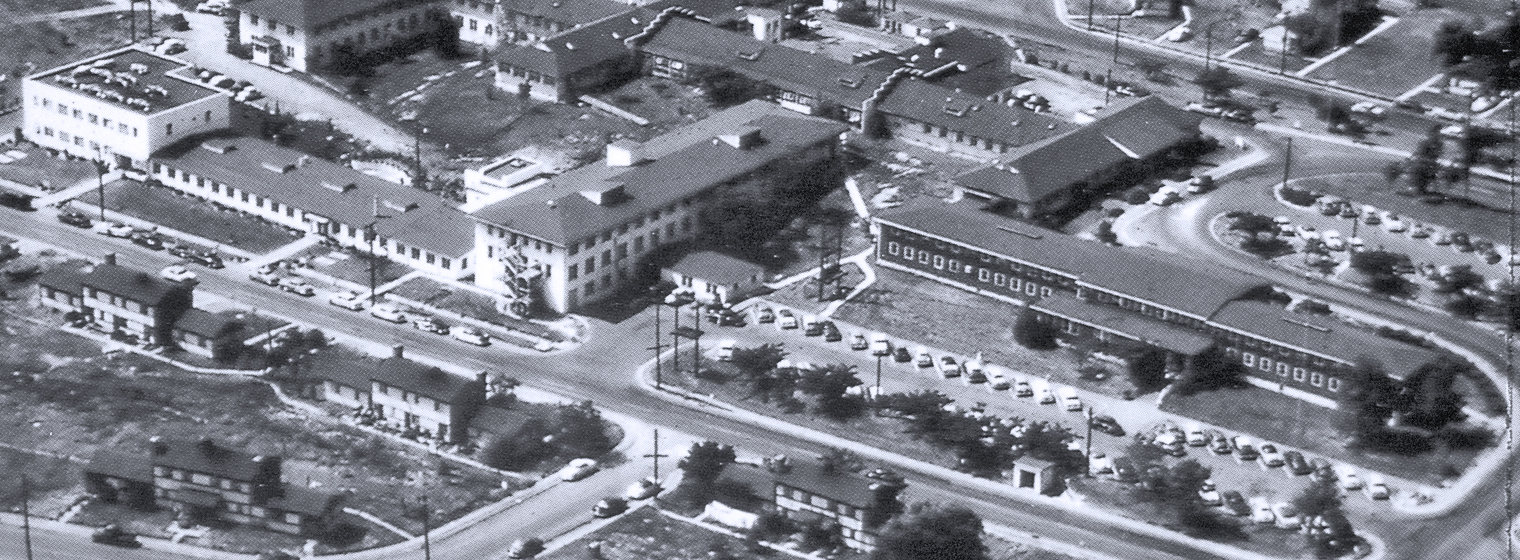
404,395
120,107
490,22
302,34
320,197
206,481
1114,294
118,299
587,233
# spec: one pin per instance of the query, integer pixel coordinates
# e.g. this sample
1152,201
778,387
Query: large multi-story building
118,298
303,34
120,107
583,235
320,197
490,22
203,480
404,395
1113,294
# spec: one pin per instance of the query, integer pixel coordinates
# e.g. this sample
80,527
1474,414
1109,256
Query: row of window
256,511
409,397
119,127
1284,369
817,501
939,262
202,479
529,75
961,137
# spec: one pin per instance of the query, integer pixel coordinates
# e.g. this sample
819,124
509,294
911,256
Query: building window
201,479
168,128
590,265
1298,375
78,114
907,253
574,271
430,258
134,132
78,140
444,262
607,258
983,275
1316,379
999,279
253,19
1264,364
955,265
416,254
939,262
1335,384
923,257
1248,359
1283,369
94,119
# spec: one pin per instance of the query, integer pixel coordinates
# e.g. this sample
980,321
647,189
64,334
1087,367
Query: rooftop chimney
110,259
158,446
398,351
744,138
607,195
624,153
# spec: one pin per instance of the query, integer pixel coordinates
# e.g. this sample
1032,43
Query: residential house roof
206,456
343,369
1132,130
1154,332
65,279
329,190
679,164
132,284
719,268
158,82
126,466
784,67
839,485
305,501
955,111
1343,342
427,381
207,324
310,14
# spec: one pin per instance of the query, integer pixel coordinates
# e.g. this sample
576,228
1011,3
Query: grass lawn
919,310
1116,496
82,401
1274,417
803,296
54,482
665,103
350,265
49,173
1364,67
34,47
1079,9
165,207
1256,54
469,304
17,8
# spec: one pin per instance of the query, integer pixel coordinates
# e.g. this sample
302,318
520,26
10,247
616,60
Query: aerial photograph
759,279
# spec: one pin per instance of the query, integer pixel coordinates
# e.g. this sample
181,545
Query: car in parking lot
1195,437
265,276
1043,393
831,333
1295,464
1100,464
971,372
1320,470
1107,424
766,315
1234,503
1261,510
1346,475
75,218
996,379
1172,442
811,326
1209,494
901,355
387,312
922,358
726,350
880,346
1069,399
471,335
1124,470
148,240
1021,386
429,324
786,320
351,301
642,489
1270,457
1287,516
1244,451
948,368
1376,488
858,341
297,285
1218,444
177,273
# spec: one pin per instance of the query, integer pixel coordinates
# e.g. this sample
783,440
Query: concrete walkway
862,260
302,244
77,190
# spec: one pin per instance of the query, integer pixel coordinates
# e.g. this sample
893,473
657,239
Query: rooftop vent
750,56
139,68
400,206
1306,324
218,148
342,188
1006,229
743,138
624,153
607,196
279,168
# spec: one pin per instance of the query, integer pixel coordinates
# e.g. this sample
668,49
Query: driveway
208,47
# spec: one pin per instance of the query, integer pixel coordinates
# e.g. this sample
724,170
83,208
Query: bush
1137,195
1032,333
177,22
1299,197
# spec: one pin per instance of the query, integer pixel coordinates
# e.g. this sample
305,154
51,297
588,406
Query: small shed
208,334
1039,474
716,278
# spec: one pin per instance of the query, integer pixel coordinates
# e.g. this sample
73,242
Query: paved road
600,370
47,545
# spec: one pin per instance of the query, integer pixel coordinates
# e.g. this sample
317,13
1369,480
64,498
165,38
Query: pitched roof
924,102
719,268
309,14
320,187
304,501
1155,332
127,466
1130,130
583,47
206,456
839,485
572,12
1334,339
427,381
684,163
65,279
499,421
206,324
132,284
784,67
981,61
342,368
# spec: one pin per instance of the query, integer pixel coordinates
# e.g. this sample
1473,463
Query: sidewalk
308,241
81,188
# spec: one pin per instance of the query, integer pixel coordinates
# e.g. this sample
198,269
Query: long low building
320,197
1167,301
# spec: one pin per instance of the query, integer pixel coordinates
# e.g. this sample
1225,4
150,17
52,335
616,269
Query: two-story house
805,489
208,334
118,299
585,234
305,34
203,480
404,395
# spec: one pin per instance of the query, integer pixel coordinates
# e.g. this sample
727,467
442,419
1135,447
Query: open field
166,207
646,534
1365,67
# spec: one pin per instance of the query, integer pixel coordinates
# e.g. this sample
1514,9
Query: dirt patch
646,533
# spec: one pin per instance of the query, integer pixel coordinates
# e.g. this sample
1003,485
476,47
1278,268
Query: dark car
526,548
115,536
766,315
831,333
1235,503
75,218
148,239
1125,471
902,355
208,260
609,507
1107,425
17,201
730,318
1295,463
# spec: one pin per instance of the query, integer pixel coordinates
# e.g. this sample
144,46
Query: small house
715,278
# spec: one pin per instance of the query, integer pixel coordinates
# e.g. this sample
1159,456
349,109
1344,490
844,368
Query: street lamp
100,186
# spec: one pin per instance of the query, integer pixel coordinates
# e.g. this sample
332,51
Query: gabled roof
1154,332
206,324
126,466
1130,130
308,14
1334,339
427,381
681,164
132,284
583,47
956,111
206,456
66,279
784,67
719,268
838,485
305,501
327,189
572,12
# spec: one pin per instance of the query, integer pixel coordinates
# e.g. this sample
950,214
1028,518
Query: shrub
1299,197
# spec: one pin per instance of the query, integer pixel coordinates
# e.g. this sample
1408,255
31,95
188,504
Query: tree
1322,496
1253,224
1431,401
1217,82
443,34
1454,42
1392,172
932,532
579,430
705,462
1147,369
1366,401
1210,369
755,361
829,386
1030,332
519,450
1331,535
1106,233
1381,269
855,12
724,87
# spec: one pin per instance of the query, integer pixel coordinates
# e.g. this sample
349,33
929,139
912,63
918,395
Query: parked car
1069,399
75,218
786,319
1043,394
1100,464
429,324
297,285
1261,510
643,489
1235,503
1376,488
148,240
1021,387
113,535
766,315
525,548
471,335
1200,184
1270,457
609,507
811,326
1219,444
1287,516
858,341
996,379
206,259
387,312
351,301
972,373
948,368
1209,494
1172,442
1108,425
901,355
1194,435
726,350
1295,464
265,276
1346,475
111,229
1320,470
831,333
880,346
177,273
1244,451
578,469
1124,470
922,358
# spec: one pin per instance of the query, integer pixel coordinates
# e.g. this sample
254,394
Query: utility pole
1088,452
656,456
1118,22
1287,162
878,375
1282,59
427,543
658,349
696,341
26,515
100,187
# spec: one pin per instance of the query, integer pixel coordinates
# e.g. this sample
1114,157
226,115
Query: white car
996,379
924,359
1209,494
177,273
1395,226
1376,489
1195,437
1101,464
471,335
578,469
1368,108
296,285
1346,475
1261,510
351,301
1069,399
1021,387
171,47
1042,392
1287,516
1270,457
786,320
119,230
642,489
726,350
880,346
387,312
948,367
1165,197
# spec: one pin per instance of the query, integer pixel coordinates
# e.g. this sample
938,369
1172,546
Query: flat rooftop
504,167
130,78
